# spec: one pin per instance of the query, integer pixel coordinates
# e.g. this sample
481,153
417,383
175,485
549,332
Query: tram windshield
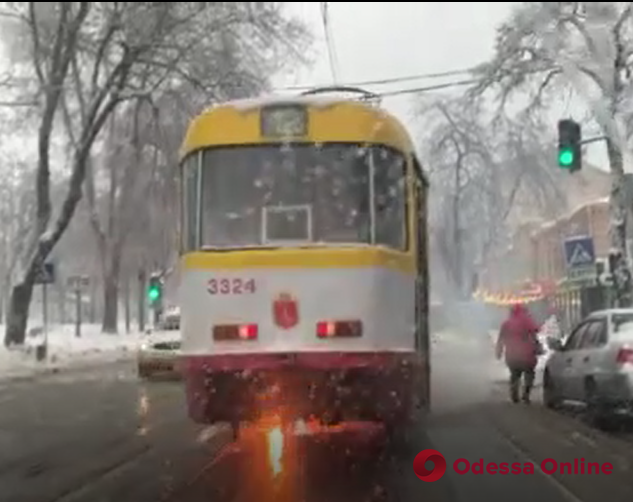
298,194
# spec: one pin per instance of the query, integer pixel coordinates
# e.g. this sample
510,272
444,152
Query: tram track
44,455
117,469
64,439
563,437
212,469
82,488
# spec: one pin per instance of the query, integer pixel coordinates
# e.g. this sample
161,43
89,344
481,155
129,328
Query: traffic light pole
155,296
617,263
570,158
141,300
593,140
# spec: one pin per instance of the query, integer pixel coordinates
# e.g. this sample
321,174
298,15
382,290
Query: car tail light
234,332
339,329
625,356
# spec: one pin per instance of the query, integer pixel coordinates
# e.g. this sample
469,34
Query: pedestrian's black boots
518,375
514,393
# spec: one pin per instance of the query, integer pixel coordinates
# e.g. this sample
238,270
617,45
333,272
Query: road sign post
78,283
580,259
44,276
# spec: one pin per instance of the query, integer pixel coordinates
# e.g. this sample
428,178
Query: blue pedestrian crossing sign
579,252
580,258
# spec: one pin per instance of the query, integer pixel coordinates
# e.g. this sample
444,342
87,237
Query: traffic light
569,145
155,290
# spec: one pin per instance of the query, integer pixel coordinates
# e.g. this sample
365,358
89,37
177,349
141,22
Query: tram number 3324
235,286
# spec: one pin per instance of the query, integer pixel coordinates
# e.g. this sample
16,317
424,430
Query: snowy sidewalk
66,352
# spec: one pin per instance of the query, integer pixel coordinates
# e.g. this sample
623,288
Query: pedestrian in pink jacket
517,338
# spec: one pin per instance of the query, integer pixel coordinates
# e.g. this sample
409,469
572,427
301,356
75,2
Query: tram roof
346,120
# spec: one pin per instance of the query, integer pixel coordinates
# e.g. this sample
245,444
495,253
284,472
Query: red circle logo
429,475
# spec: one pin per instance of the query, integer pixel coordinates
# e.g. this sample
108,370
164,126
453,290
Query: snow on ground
65,351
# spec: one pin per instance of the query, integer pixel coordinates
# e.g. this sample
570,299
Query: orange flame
271,425
275,440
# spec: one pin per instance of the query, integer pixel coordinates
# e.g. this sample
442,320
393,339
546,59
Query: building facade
536,254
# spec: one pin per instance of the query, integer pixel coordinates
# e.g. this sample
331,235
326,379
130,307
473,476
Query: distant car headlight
144,347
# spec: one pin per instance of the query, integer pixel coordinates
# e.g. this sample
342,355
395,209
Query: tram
304,262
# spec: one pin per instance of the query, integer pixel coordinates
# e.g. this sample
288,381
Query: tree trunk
128,319
110,305
111,295
18,315
61,303
92,314
617,226
457,234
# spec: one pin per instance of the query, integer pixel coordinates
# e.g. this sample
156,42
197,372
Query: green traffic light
153,294
566,158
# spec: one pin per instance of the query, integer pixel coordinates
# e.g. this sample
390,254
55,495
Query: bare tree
480,171
130,160
547,47
16,210
89,58
454,151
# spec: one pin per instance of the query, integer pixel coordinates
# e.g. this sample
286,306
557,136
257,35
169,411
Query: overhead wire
393,80
446,85
333,63
414,90
329,40
436,87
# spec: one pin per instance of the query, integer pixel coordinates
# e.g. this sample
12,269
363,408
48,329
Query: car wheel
551,399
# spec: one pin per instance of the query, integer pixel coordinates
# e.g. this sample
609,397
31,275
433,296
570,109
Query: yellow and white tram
304,263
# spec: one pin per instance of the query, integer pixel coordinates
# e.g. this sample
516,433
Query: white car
593,366
159,352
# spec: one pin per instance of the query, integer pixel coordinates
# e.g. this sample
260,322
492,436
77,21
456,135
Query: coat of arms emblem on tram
285,311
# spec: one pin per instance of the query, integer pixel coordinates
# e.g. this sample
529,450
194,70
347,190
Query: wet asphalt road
103,436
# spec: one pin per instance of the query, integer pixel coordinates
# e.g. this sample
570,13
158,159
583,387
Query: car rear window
167,345
623,325
171,323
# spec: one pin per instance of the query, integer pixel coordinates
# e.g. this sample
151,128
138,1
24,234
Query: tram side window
340,192
234,182
390,198
190,173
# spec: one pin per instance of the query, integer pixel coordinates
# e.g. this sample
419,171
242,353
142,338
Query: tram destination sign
284,121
